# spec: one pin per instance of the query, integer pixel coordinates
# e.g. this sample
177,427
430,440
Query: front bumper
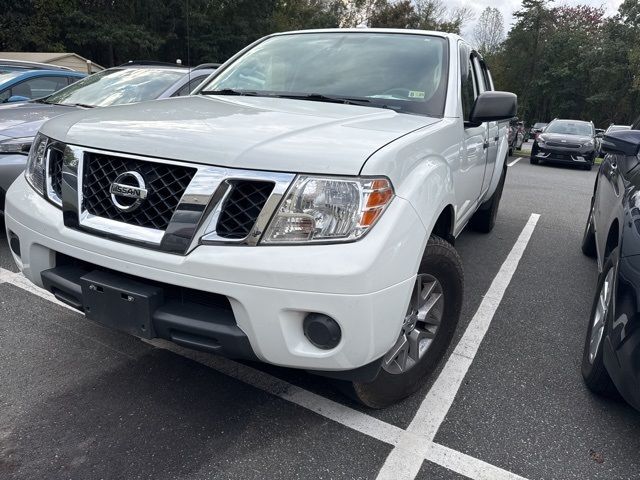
563,155
365,286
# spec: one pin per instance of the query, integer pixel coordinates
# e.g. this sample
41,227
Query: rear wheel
533,161
427,329
593,369
485,218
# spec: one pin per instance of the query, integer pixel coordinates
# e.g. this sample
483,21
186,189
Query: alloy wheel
419,327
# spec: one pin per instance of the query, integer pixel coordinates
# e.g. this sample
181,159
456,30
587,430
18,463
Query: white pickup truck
299,209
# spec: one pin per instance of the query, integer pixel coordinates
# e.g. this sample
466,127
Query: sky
507,7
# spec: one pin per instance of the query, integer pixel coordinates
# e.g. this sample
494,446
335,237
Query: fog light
322,331
14,243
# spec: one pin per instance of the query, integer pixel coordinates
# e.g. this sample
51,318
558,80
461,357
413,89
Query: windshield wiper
83,105
319,97
228,91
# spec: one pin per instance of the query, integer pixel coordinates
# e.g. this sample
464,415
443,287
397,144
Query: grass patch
521,153
598,160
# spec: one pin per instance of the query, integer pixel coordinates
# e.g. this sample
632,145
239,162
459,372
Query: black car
566,141
611,358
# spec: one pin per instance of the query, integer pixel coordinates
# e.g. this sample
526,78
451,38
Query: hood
242,132
25,119
558,137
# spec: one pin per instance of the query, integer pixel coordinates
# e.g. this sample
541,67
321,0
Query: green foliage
572,62
111,32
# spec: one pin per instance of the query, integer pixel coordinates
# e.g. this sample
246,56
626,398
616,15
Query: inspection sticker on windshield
416,94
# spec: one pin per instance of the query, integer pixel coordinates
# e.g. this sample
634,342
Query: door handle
485,145
496,138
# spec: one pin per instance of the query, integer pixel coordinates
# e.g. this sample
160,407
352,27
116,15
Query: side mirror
626,142
18,98
599,130
493,107
599,134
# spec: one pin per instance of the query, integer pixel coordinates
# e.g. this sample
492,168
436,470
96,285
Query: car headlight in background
36,164
540,139
16,145
588,143
328,209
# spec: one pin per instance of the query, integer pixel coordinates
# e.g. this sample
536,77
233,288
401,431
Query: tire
533,161
485,218
510,151
440,261
593,370
588,166
588,237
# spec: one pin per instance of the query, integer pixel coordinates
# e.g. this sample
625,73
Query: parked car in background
566,141
612,236
23,85
126,84
536,129
300,213
13,65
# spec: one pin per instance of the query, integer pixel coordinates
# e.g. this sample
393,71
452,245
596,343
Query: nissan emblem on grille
128,191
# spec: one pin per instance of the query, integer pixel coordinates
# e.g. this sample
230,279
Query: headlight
35,171
329,209
540,139
588,143
16,145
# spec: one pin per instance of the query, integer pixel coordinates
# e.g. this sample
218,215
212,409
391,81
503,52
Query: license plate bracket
119,302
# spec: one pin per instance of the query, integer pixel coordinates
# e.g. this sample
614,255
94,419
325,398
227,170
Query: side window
188,87
481,81
4,95
39,87
71,80
488,81
468,84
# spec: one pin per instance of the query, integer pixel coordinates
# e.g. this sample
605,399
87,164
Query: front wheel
426,332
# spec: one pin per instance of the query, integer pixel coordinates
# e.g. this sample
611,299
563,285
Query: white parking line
438,401
513,162
411,447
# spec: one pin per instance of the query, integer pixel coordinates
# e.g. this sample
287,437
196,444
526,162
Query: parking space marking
514,162
440,397
410,447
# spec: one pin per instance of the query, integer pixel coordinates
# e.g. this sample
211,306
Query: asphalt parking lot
78,401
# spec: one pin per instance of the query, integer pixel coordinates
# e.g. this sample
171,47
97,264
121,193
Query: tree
489,31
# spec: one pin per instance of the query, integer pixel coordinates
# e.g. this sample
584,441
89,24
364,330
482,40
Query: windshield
117,86
570,128
400,71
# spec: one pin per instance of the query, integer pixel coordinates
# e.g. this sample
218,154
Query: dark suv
566,141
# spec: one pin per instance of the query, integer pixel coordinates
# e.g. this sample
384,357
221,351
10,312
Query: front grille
166,183
55,169
242,207
563,145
